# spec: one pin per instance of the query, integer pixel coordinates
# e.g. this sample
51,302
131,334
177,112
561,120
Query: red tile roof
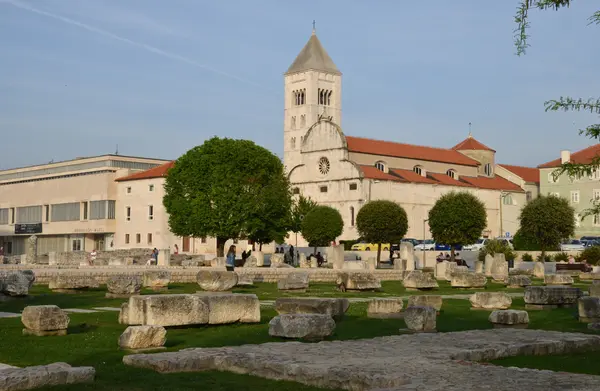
528,174
411,176
409,151
471,143
494,183
444,179
156,172
580,157
372,172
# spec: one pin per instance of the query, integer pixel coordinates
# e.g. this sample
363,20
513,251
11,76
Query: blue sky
159,77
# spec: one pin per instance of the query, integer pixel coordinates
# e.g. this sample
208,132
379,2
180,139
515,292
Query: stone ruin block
123,286
490,300
558,279
420,319
43,320
433,301
16,283
518,281
294,281
385,308
66,282
509,319
305,326
334,307
589,309
547,297
468,280
216,280
417,280
157,279
143,338
56,374
190,309
357,281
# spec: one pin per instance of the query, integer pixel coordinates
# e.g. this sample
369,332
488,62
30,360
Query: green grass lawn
92,338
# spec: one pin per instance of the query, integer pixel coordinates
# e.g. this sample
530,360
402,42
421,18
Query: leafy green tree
223,188
592,105
382,222
547,219
272,219
495,246
457,218
300,208
321,226
523,241
591,255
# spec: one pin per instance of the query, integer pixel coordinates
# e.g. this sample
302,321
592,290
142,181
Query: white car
476,246
426,245
572,245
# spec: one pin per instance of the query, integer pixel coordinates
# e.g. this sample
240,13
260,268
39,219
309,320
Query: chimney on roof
565,156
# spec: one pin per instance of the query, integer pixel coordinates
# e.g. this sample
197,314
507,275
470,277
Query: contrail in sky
144,46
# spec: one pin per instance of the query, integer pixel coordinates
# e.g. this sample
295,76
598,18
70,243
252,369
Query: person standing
230,259
93,255
155,256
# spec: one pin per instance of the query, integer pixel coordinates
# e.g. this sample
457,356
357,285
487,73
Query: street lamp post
502,195
424,250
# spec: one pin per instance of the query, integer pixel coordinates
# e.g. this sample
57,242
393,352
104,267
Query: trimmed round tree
321,225
547,220
382,222
457,218
228,189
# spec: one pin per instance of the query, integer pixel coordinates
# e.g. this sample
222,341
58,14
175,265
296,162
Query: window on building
353,186
4,216
111,209
380,166
150,187
46,213
150,212
352,216
128,190
84,206
323,189
138,238
296,190
552,178
8,247
302,120
507,199
128,213
488,169
293,122
293,143
76,244
65,212
126,238
596,220
451,173
12,215
418,170
596,195
149,239
528,196
29,214
575,196
203,240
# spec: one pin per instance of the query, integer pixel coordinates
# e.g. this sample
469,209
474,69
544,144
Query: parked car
446,247
426,245
363,246
592,238
572,245
413,241
590,243
478,245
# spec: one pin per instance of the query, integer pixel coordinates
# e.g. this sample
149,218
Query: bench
582,267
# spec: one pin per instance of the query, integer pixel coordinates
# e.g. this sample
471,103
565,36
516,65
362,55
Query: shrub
527,257
321,226
561,257
544,258
524,242
496,247
591,255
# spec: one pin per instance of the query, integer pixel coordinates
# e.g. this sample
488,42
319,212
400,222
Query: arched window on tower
303,96
352,216
418,170
293,122
303,120
329,98
293,142
320,96
380,166
451,173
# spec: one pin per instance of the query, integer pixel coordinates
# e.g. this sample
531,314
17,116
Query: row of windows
56,177
70,211
324,189
323,97
138,238
594,176
128,188
150,213
302,121
418,169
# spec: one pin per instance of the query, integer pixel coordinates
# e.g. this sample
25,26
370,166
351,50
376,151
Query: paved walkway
423,362
70,310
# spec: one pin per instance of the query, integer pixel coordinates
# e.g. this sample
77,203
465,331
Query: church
345,172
